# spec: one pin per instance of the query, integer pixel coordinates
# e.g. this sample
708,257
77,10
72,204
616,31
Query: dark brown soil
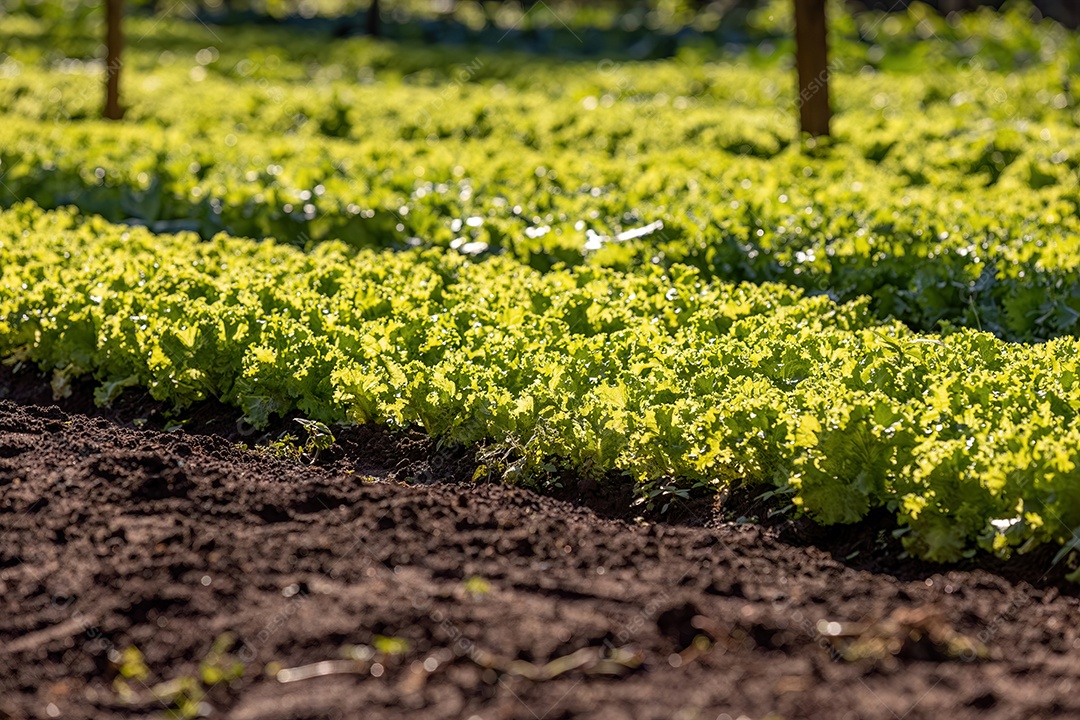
331,596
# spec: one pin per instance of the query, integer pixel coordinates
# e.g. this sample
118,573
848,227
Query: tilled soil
143,573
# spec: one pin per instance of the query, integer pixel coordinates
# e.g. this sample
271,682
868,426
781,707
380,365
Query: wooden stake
373,19
114,44
812,60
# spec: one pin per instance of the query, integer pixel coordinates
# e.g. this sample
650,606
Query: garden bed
454,600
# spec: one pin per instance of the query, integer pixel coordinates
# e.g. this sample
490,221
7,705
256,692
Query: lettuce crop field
946,196
305,270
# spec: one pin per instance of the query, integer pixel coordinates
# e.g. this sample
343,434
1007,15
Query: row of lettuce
947,197
677,381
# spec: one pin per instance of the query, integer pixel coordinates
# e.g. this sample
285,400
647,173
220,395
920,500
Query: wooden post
114,45
812,60
373,19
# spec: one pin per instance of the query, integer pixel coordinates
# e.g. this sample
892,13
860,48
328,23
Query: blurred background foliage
1003,35
627,14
